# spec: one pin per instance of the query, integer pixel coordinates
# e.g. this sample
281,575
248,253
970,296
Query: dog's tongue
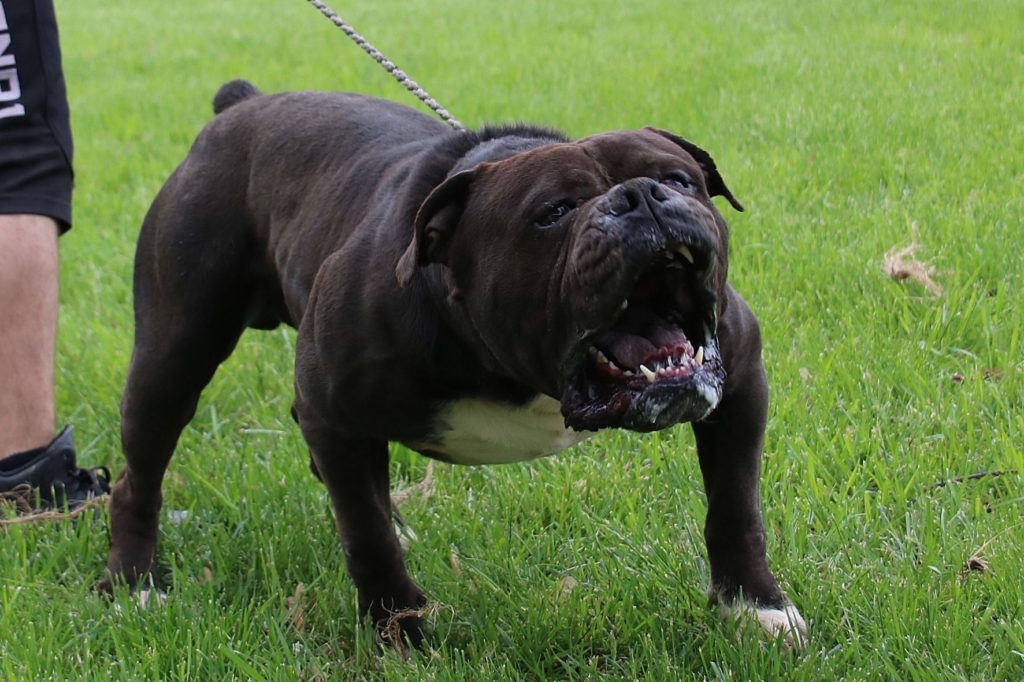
638,335
629,351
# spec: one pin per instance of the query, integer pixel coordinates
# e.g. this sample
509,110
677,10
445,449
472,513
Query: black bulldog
480,297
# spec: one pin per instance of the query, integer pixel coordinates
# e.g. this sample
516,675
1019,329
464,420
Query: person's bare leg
28,328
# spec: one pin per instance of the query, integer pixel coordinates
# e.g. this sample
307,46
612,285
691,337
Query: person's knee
28,242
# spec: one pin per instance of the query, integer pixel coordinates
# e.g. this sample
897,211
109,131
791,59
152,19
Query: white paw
145,597
785,622
151,595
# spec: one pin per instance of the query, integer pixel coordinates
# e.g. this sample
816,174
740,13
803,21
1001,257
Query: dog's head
593,271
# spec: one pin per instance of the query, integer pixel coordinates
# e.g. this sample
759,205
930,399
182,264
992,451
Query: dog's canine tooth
647,373
684,251
699,357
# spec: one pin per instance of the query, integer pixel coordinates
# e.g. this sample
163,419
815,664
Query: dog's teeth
699,357
684,251
647,373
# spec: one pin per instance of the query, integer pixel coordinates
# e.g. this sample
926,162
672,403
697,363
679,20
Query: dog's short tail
232,93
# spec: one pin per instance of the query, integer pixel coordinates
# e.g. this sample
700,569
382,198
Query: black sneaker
51,473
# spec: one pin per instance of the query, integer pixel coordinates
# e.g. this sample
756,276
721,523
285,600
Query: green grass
842,128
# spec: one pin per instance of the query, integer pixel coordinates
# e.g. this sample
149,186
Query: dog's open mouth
658,363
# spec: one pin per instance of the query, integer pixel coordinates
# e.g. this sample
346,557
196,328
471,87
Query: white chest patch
486,432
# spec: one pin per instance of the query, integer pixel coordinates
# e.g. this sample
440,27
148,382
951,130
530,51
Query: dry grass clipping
423,489
900,264
977,563
391,632
297,609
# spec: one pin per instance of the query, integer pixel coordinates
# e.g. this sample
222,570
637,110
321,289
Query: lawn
847,130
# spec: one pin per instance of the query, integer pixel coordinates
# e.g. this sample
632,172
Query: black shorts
35,130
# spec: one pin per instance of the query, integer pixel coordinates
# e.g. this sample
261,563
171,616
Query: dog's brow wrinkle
600,168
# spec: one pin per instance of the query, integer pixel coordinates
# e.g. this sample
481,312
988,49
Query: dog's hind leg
191,292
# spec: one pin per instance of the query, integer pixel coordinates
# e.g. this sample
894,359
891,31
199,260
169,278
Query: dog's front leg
356,475
729,446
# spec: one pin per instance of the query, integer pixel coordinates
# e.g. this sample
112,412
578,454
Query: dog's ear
716,185
435,222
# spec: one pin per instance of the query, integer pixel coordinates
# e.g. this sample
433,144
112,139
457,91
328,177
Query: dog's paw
785,622
402,629
145,598
143,586
398,618
148,596
105,588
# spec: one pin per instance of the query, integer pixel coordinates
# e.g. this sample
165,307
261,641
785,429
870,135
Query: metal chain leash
399,75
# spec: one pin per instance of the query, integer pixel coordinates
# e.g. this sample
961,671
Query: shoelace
94,481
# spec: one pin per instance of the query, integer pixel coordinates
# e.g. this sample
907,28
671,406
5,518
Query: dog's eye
679,181
553,213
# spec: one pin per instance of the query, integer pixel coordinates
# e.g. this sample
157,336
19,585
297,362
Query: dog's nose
630,195
657,191
622,200
652,216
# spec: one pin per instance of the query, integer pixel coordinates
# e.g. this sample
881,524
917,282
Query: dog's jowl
481,297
